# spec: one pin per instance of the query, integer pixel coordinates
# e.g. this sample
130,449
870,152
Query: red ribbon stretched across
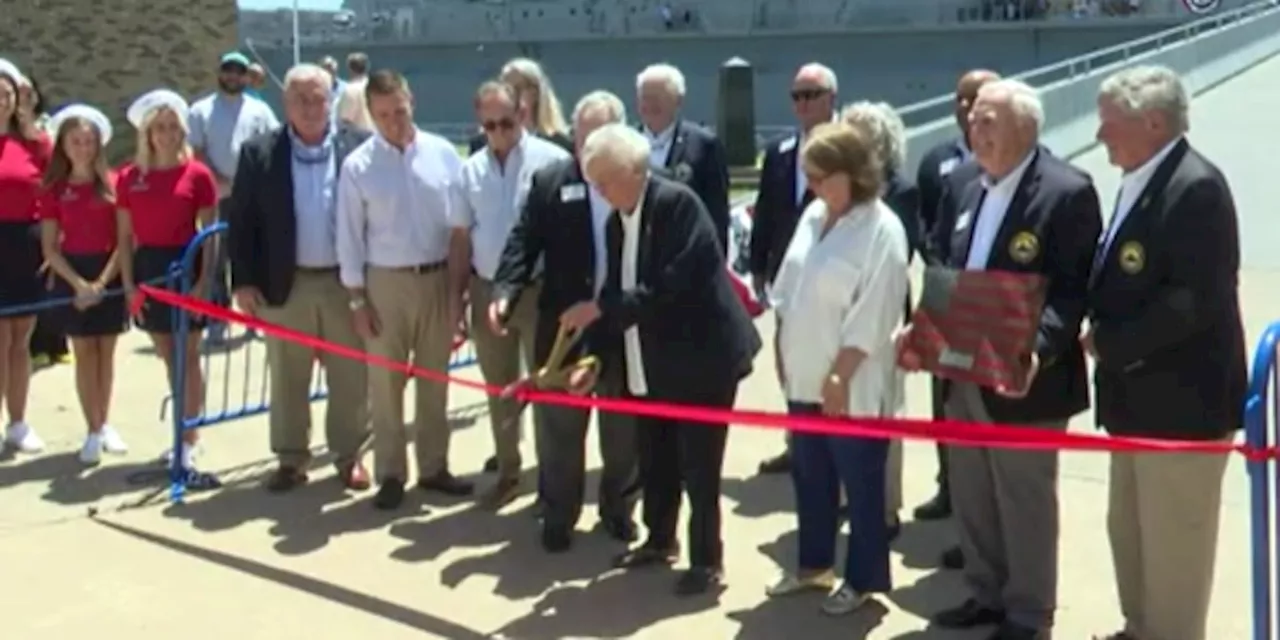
947,431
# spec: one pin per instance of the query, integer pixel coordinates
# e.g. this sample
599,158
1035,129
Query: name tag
573,192
955,359
948,166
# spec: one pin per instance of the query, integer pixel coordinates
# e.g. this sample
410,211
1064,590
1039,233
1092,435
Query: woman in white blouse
840,291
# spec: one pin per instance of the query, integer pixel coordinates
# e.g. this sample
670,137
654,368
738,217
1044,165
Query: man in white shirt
489,196
395,195
352,110
685,338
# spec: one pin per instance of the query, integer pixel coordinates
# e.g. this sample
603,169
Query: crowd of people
350,223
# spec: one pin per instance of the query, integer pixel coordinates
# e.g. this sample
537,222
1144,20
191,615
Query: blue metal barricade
225,399
1262,430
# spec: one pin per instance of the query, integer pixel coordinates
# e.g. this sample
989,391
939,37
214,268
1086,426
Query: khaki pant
499,357
317,306
412,308
1162,520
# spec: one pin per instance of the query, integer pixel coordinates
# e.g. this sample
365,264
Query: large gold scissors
554,374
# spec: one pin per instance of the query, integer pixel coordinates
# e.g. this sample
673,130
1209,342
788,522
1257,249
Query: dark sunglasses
804,95
506,124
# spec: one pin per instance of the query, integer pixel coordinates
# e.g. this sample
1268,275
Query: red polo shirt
164,204
87,222
22,165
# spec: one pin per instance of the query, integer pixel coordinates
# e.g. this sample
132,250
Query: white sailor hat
152,100
10,69
98,119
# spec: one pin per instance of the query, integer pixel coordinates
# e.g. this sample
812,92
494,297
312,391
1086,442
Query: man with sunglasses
784,192
491,191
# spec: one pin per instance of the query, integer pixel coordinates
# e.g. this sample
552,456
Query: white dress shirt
600,212
660,145
843,290
636,382
393,205
990,215
491,193
1132,185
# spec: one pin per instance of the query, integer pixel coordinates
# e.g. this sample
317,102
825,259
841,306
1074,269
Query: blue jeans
819,466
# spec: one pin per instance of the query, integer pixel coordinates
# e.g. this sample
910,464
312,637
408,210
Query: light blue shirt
394,206
219,124
315,188
491,194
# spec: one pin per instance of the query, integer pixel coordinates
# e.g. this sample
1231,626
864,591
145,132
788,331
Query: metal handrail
1087,62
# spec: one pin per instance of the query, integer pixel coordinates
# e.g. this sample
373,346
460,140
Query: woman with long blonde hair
538,100
164,197
80,243
24,154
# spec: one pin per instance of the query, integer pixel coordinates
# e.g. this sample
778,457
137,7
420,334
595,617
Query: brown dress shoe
285,478
354,476
503,491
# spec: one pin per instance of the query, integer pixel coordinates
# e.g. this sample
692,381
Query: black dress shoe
937,508
619,529
390,495
968,615
775,465
953,558
1011,631
491,464
448,484
556,539
697,580
647,555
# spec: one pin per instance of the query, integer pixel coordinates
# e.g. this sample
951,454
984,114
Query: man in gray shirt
219,123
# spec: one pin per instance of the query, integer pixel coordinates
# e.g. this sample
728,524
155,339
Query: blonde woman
543,113
839,293
80,241
163,198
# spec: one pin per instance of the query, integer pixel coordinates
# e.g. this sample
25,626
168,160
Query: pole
297,39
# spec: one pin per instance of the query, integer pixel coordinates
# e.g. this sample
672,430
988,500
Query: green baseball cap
236,58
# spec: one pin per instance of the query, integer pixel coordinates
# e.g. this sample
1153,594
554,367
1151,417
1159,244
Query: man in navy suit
1031,213
784,192
939,183
681,150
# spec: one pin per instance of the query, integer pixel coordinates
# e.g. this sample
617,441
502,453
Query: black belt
430,267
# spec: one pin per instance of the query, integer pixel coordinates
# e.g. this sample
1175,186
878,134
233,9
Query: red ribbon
947,431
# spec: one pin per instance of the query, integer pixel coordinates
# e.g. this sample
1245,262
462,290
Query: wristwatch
357,304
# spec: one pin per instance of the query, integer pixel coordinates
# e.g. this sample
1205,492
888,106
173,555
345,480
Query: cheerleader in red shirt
79,236
162,197
24,154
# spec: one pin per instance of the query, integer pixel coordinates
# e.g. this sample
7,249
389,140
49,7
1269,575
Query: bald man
933,177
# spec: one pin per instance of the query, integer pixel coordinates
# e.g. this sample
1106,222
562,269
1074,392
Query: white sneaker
843,600
112,442
188,458
21,437
91,452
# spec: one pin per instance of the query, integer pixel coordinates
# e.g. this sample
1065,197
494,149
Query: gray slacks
561,434
1006,508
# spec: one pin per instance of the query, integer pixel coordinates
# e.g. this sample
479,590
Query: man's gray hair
881,122
1150,88
668,75
826,76
1023,99
306,72
618,145
601,99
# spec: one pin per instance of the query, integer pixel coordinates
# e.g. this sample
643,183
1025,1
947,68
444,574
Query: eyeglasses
506,124
805,95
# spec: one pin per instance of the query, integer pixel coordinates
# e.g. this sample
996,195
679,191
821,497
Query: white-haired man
491,192
562,227
1027,213
394,201
1166,336
784,192
679,149
669,319
284,268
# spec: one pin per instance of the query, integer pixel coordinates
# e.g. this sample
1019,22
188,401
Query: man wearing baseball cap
219,123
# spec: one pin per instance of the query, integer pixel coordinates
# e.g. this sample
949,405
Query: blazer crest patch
1132,257
1024,248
